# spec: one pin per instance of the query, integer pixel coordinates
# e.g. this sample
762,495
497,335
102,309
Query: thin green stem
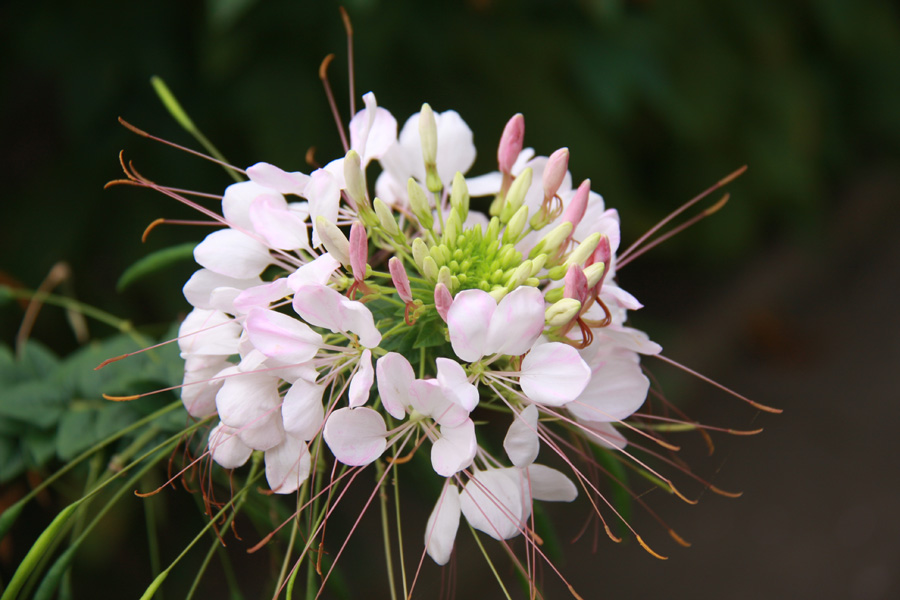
385,529
490,563
400,532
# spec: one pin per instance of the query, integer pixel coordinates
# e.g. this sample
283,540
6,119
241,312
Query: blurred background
789,294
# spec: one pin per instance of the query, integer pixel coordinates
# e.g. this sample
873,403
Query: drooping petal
550,485
287,465
359,320
617,388
362,381
517,322
455,449
318,271
261,296
492,502
468,320
226,447
208,332
209,290
395,376
356,436
249,402
604,434
236,202
553,374
233,254
282,337
302,410
455,383
443,523
521,442
198,394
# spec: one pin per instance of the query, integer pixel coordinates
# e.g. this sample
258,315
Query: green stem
490,563
385,528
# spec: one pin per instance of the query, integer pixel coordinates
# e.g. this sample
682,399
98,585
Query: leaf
38,448
620,496
11,462
431,334
40,403
111,419
155,261
36,361
75,432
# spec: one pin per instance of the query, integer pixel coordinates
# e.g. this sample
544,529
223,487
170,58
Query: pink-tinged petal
517,322
282,337
359,320
321,306
576,284
442,301
226,447
455,449
200,287
577,206
400,279
617,388
511,141
604,434
468,320
555,171
620,297
362,381
281,181
237,200
372,130
550,485
356,436
208,332
233,254
324,193
632,339
250,403
455,384
302,410
395,376
492,502
279,225
287,465
522,443
440,531
317,272
484,185
427,397
261,296
553,374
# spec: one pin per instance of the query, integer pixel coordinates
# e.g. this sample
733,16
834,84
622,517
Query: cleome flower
381,326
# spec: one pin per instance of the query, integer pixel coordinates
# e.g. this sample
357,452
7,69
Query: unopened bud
518,277
418,202
551,242
442,300
562,312
575,210
385,217
334,240
443,277
594,273
459,196
429,268
355,180
437,253
537,264
515,197
420,251
576,284
452,229
400,279
493,229
554,295
359,250
498,293
511,143
516,226
584,250
428,136
555,171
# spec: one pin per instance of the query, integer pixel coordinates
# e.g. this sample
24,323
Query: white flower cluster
517,309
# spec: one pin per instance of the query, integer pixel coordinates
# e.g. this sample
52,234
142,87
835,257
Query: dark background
789,294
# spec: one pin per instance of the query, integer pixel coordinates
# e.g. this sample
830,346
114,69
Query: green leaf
40,403
11,462
75,433
36,361
156,261
38,448
112,418
431,334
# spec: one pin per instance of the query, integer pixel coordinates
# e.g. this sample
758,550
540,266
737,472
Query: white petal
617,388
359,320
372,130
280,226
200,287
492,502
302,409
282,337
550,485
232,253
226,448
274,178
604,434
362,381
456,150
517,322
455,449
455,383
261,296
356,436
208,332
395,376
249,403
318,272
198,394
237,200
468,320
522,443
320,305
287,465
324,193
427,397
440,531
553,374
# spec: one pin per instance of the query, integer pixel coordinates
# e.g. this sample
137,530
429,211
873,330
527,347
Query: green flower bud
444,277
515,197
537,264
516,226
584,250
561,312
386,217
334,240
551,242
452,229
555,295
594,273
429,268
436,255
519,275
498,293
355,180
419,204
459,196
420,251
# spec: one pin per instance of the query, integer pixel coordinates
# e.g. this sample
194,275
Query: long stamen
348,27
323,75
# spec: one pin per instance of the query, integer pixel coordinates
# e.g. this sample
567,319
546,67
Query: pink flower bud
575,210
511,143
555,172
400,279
442,300
602,254
359,250
576,284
